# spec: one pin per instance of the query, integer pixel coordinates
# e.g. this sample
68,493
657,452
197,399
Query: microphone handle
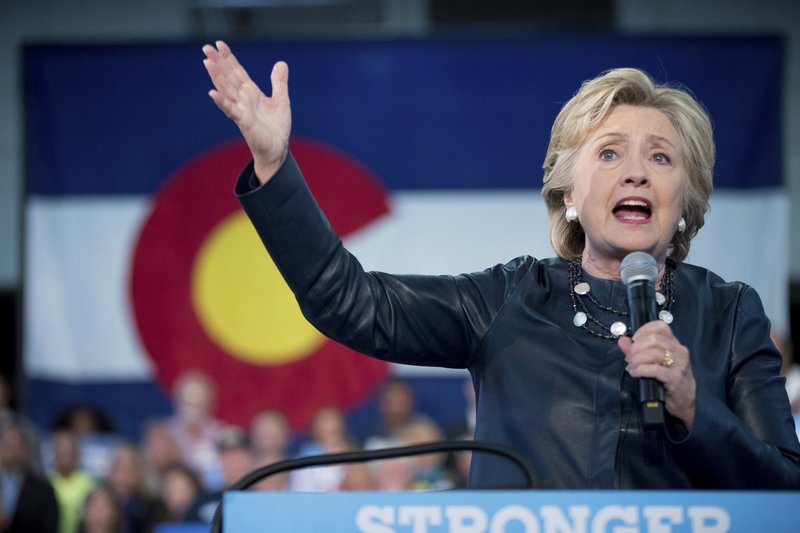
642,309
641,303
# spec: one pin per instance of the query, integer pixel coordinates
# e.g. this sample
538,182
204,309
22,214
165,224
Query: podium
529,511
497,511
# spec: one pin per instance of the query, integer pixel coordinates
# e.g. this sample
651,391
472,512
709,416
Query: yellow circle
242,300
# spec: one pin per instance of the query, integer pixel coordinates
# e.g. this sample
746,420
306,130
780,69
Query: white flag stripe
746,238
79,324
454,232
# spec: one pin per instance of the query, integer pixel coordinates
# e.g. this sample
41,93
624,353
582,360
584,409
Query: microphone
639,272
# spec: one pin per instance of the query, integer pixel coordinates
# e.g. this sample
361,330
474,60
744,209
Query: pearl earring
571,214
681,225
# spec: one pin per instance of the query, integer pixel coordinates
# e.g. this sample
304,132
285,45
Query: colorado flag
424,154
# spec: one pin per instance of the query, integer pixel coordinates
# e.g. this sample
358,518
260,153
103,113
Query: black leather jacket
552,391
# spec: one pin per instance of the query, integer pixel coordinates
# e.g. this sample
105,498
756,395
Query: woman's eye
607,154
662,158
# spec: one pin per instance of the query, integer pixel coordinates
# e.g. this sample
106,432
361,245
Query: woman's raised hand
265,121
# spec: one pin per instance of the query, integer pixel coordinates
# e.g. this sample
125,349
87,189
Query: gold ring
669,359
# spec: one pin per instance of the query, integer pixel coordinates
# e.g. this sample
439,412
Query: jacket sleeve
747,441
411,319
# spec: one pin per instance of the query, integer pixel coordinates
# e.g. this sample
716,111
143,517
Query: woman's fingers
280,81
265,122
236,74
228,78
654,352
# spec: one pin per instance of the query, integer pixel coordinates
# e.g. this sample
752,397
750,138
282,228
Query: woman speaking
557,368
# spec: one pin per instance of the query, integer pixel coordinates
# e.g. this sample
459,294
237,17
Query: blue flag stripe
438,113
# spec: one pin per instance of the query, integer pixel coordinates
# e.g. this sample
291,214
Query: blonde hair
584,111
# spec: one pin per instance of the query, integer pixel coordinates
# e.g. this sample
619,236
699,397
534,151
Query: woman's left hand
654,352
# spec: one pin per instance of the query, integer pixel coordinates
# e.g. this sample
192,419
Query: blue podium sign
513,511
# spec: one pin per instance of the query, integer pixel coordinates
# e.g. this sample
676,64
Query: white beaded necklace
580,291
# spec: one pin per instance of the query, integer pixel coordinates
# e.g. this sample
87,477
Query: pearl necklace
580,291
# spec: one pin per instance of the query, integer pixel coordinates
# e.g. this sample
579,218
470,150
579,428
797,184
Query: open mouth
633,210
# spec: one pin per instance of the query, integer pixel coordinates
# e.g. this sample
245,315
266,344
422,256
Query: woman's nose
635,173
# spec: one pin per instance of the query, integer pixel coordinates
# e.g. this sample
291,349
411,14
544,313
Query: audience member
70,483
428,472
793,390
269,441
159,451
396,409
127,481
28,503
180,489
791,371
7,414
236,462
101,512
96,436
194,427
83,419
418,472
328,434
235,456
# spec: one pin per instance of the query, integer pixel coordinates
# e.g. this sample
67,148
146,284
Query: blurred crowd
80,476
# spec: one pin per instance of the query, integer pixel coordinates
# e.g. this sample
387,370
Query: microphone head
638,266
